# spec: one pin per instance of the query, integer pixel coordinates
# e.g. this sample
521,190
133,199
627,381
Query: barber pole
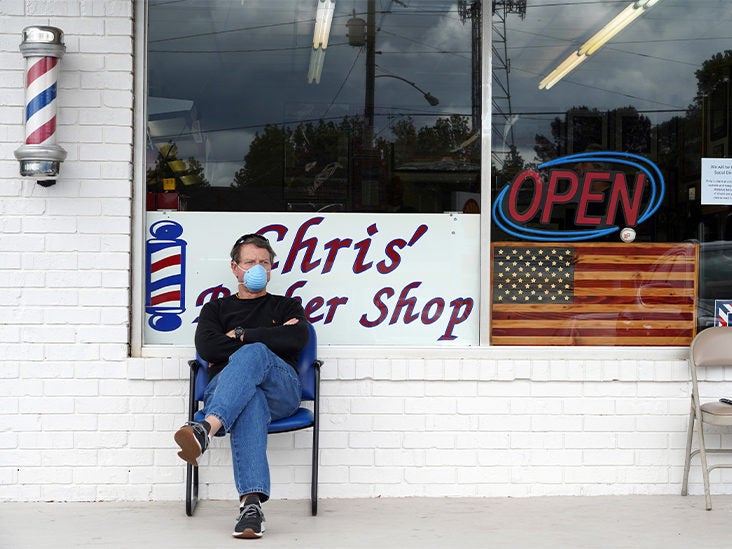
42,48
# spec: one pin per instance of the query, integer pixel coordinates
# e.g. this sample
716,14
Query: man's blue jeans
256,387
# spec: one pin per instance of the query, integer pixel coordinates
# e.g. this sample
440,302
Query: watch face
238,331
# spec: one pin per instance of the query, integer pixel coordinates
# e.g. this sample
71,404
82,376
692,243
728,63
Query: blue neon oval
544,235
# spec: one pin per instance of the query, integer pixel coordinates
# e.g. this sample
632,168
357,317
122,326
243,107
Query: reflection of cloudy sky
245,65
650,65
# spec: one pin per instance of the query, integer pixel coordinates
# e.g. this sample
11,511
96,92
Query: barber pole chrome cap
41,47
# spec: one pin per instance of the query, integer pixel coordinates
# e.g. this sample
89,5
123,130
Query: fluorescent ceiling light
317,59
618,23
562,70
623,19
323,21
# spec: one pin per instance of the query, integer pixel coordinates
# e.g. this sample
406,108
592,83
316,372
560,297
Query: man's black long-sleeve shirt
263,321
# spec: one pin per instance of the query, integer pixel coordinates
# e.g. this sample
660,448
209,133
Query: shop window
610,199
346,132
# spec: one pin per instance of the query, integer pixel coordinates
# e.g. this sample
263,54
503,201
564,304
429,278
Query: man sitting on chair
251,340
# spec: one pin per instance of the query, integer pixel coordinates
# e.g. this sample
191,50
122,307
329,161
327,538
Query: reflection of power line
433,49
343,83
229,31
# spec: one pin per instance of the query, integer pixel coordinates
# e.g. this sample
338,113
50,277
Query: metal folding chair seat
712,347
308,369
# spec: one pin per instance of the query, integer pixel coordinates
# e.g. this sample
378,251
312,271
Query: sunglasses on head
249,237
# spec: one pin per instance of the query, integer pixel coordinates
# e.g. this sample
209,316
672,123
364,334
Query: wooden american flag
593,293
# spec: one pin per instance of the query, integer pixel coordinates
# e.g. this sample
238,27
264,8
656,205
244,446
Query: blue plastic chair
308,369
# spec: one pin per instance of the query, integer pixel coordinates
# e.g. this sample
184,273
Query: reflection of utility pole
370,71
474,12
501,68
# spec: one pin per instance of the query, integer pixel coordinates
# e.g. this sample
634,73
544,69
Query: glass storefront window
286,106
611,211
325,125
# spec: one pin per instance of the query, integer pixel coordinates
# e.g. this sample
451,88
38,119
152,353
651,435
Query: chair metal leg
191,471
191,489
703,457
316,444
687,461
314,471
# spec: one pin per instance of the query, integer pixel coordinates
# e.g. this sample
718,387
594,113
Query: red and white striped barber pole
42,48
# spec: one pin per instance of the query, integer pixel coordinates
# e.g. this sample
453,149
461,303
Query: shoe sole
190,451
248,533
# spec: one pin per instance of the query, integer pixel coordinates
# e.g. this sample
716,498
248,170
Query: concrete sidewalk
581,522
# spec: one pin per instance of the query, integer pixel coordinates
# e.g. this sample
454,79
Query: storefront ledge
490,353
459,363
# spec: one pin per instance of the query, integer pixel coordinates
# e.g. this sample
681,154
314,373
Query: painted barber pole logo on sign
165,276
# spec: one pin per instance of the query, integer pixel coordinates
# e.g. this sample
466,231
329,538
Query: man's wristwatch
238,332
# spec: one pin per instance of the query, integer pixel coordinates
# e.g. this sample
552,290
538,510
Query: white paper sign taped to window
716,181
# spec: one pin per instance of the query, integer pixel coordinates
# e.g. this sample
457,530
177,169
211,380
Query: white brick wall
82,421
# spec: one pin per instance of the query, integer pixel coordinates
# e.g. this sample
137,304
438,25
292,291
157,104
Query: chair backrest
306,363
712,347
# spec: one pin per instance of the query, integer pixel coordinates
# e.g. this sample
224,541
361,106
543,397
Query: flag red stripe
596,332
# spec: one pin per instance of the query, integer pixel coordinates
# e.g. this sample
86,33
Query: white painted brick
451,458
375,440
507,423
544,406
428,440
536,475
430,475
530,440
434,406
373,405
608,457
350,457
557,424
45,475
369,475
413,423
482,439
46,405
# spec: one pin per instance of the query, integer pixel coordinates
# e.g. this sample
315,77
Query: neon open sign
561,185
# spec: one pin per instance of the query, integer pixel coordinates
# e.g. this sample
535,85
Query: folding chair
710,347
308,369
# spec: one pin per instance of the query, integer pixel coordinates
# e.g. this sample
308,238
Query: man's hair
253,238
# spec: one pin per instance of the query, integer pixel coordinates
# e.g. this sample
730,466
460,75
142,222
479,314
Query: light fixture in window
599,39
323,20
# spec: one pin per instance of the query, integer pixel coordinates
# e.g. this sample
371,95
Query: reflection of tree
265,160
713,75
448,138
187,174
292,163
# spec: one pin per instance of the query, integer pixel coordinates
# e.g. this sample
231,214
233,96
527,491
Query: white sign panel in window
378,279
716,181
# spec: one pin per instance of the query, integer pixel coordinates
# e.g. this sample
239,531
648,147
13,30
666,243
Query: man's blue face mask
255,279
